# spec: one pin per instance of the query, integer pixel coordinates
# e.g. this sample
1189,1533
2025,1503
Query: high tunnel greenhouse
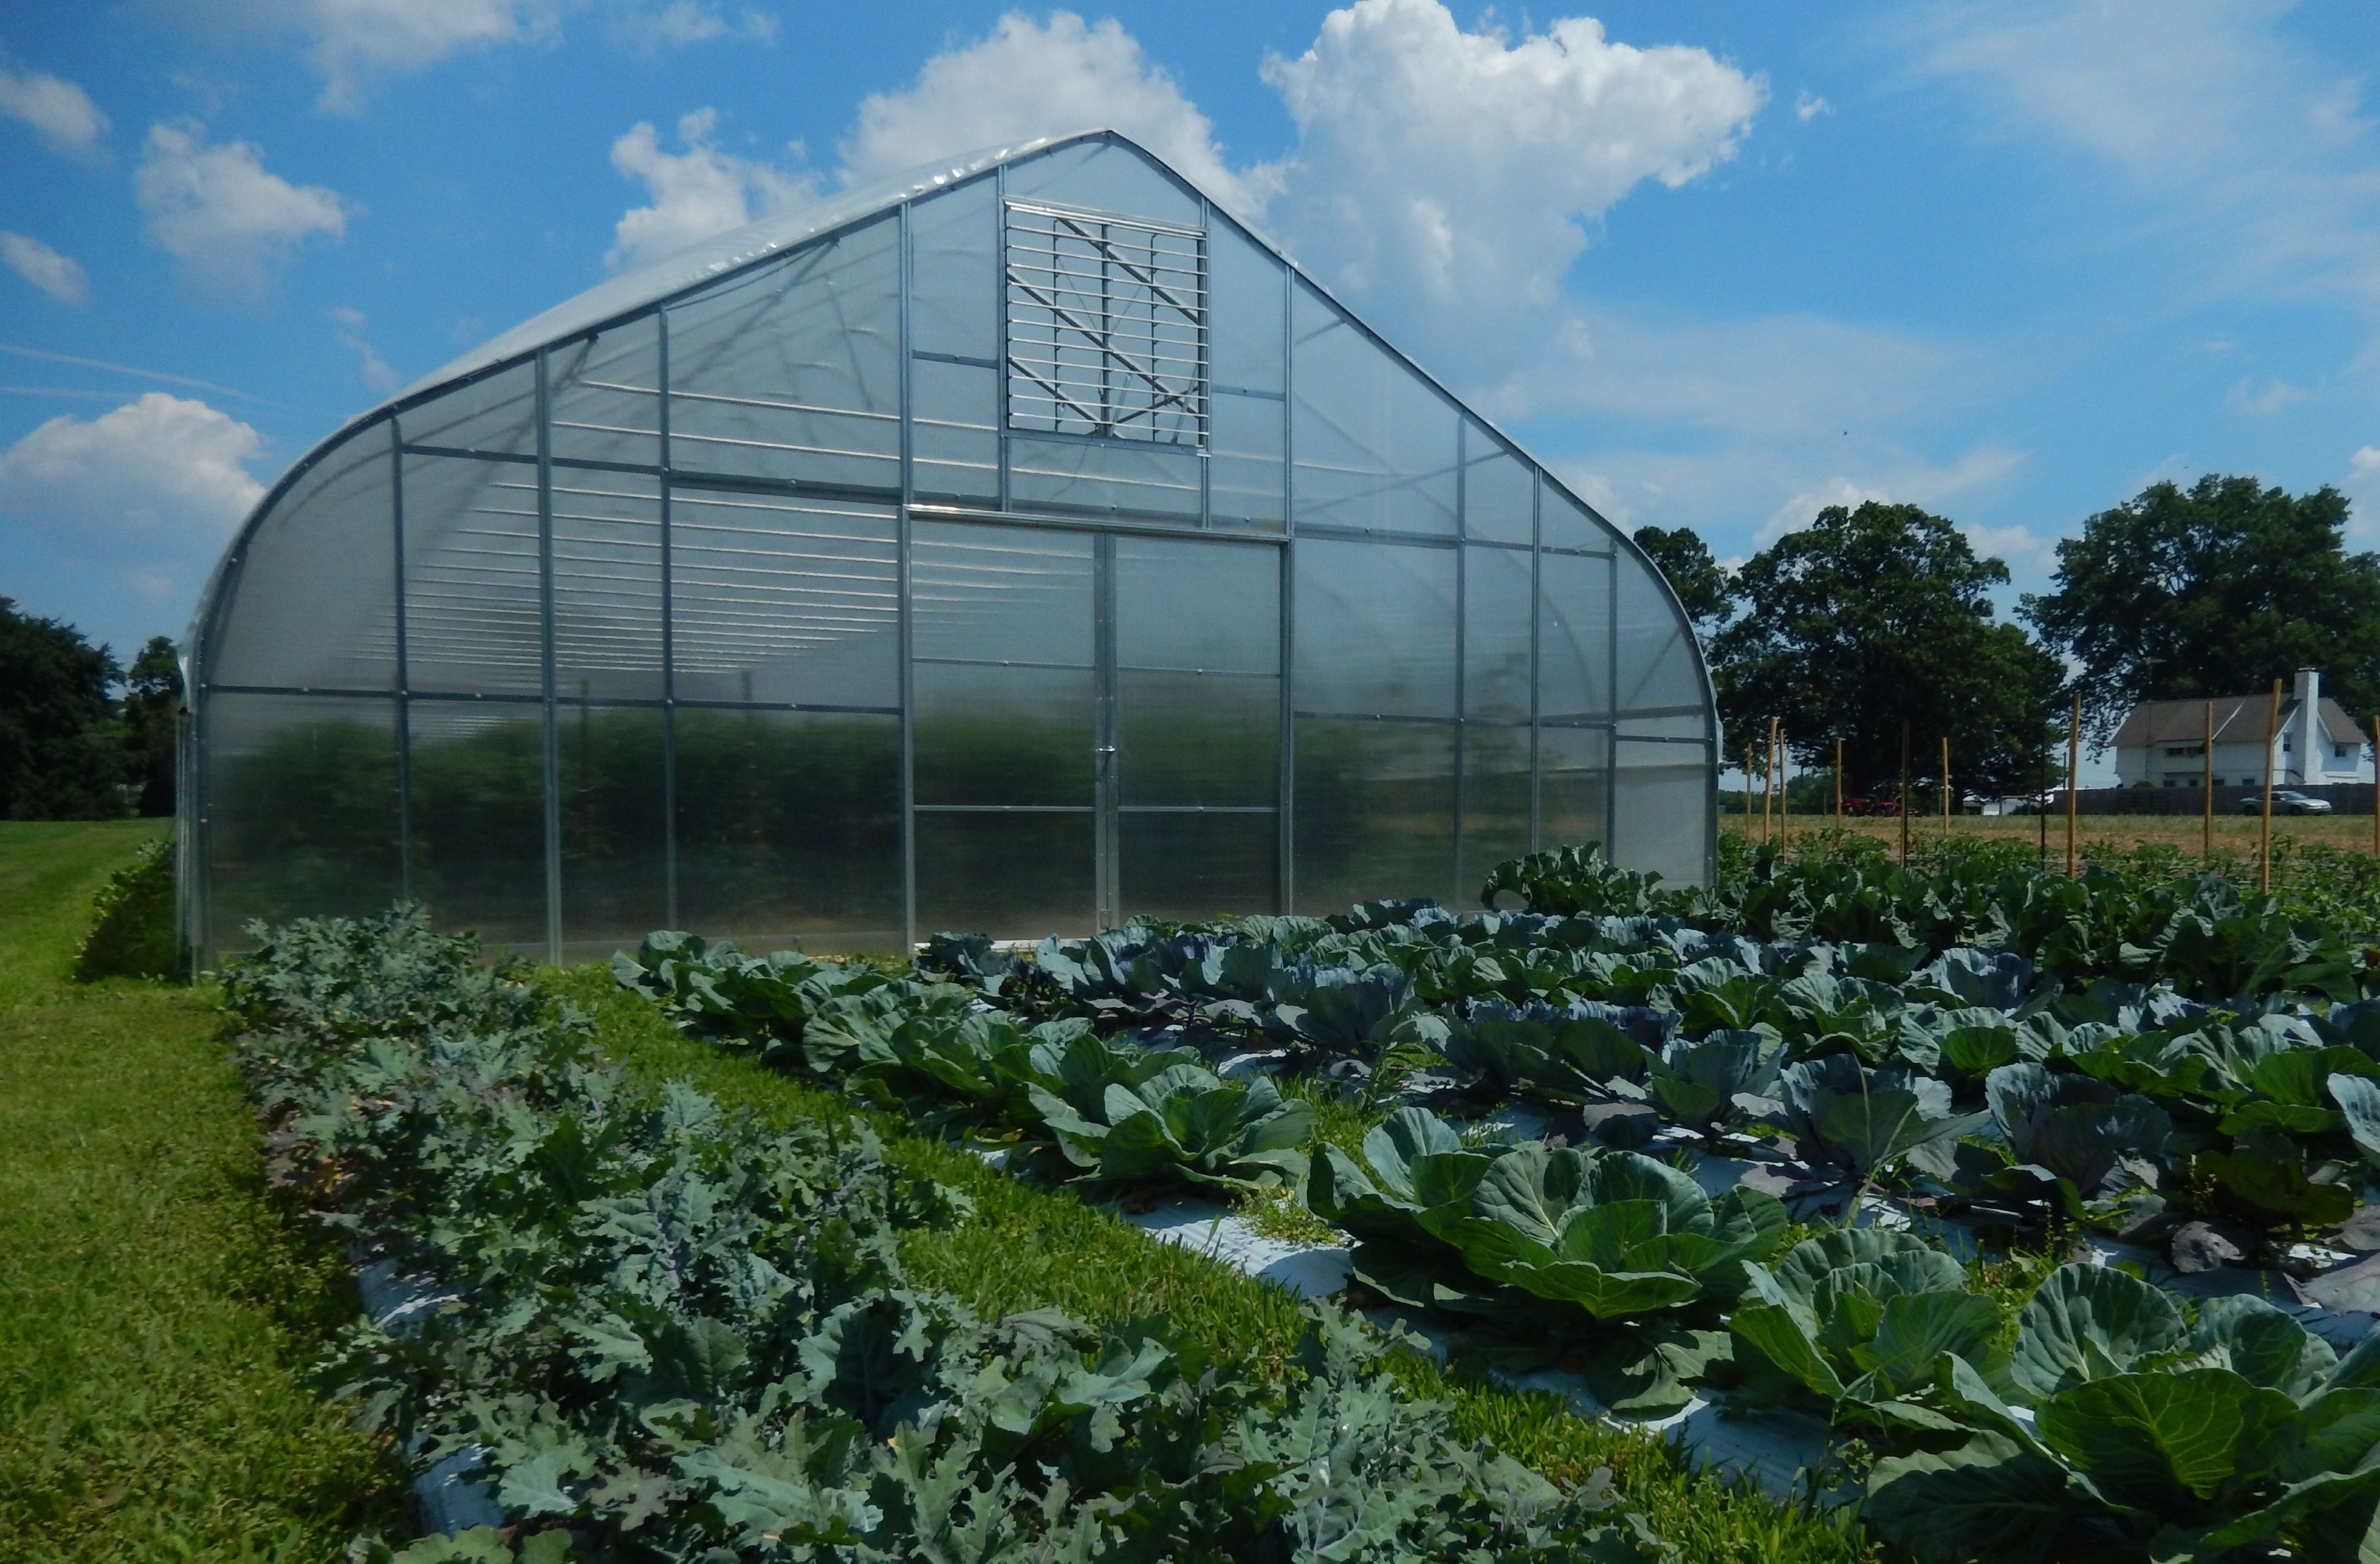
1021,547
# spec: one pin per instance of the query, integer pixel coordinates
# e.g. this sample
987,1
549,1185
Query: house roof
2238,719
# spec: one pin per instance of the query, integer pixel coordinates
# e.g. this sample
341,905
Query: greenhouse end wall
1022,549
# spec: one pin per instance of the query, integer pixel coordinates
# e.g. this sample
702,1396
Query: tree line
1881,615
71,747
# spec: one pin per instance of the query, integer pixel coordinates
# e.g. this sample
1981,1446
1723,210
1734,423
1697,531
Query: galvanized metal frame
196,750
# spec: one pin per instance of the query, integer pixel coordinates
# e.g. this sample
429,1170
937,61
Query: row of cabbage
664,1332
2013,1080
2103,1416
2012,1084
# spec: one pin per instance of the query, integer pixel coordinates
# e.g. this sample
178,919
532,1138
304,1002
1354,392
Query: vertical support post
2265,832
1945,785
2375,787
1838,784
1105,891
1462,637
404,701
1747,789
545,639
1284,819
1904,794
1784,789
669,625
905,615
2206,804
1287,836
2073,767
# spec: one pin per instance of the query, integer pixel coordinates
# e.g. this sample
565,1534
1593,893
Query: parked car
1887,807
2286,800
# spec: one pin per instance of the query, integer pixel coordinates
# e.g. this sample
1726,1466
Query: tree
1702,587
61,753
152,704
1874,618
2215,590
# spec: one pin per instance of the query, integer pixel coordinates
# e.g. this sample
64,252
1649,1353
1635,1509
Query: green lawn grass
156,1312
1027,1246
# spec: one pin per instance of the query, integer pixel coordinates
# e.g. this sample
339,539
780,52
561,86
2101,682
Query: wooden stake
1747,789
1770,797
1945,787
1839,778
2206,825
1784,789
1904,795
2073,767
2265,832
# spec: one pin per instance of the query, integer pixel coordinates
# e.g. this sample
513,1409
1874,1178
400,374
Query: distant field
2233,833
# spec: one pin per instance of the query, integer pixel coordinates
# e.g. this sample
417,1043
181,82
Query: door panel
1005,687
1097,727
1195,694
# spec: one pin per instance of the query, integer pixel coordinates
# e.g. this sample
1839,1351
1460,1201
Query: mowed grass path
157,1314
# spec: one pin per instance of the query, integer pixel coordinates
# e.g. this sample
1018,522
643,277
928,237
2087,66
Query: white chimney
2305,759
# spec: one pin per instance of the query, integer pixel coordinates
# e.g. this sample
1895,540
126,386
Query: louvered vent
1107,326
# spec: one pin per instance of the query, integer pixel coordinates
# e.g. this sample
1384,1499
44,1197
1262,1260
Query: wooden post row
2264,831
2073,766
2206,822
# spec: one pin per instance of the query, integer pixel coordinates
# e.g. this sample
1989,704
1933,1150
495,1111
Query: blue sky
1718,263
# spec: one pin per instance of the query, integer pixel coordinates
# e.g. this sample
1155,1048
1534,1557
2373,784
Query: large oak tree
2214,590
1702,586
1870,619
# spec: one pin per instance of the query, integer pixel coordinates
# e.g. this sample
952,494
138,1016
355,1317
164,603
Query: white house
2163,743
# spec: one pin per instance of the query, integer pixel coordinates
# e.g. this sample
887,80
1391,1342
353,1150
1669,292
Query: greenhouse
1022,547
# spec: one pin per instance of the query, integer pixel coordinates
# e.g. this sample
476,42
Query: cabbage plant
2123,1429
1852,1323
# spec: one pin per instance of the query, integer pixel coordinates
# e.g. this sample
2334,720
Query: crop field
2037,1207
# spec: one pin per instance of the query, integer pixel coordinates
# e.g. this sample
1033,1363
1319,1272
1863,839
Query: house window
1107,326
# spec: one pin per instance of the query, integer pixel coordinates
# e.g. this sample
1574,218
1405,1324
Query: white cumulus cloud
1453,177
160,467
60,277
59,111
2366,459
696,192
1031,79
217,210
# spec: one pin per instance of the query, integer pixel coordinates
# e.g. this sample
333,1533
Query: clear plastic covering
317,603
932,558
1375,629
1374,443
792,373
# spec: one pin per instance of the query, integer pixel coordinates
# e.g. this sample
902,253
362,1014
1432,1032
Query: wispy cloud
2262,401
60,277
44,356
60,112
2252,153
